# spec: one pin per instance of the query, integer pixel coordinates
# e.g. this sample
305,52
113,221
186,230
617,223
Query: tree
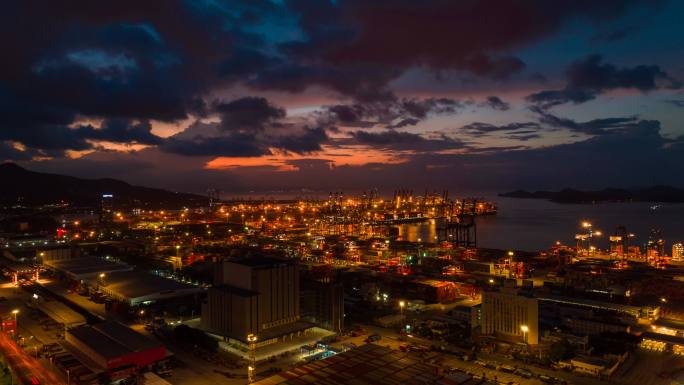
188,336
561,350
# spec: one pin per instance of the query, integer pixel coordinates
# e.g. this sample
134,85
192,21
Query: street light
524,329
401,307
15,312
251,368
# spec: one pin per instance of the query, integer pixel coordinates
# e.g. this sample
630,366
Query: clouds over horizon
325,86
591,76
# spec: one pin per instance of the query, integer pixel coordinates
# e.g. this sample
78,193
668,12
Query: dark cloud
438,34
392,36
120,60
481,129
309,141
496,103
245,144
249,127
550,98
364,83
404,123
393,113
591,76
248,114
601,126
397,140
594,74
523,137
121,131
231,145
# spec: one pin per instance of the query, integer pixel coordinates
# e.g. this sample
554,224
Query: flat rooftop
112,340
634,310
61,313
236,290
137,283
675,340
261,261
365,365
669,323
84,267
103,345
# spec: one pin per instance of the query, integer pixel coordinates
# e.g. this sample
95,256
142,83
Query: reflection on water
531,224
420,232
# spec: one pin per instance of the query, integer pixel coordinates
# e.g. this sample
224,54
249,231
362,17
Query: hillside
23,187
664,194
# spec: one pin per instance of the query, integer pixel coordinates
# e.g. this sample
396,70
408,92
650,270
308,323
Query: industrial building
60,313
80,269
322,303
140,287
257,295
470,315
510,314
57,253
111,346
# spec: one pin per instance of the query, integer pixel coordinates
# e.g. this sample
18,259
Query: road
26,366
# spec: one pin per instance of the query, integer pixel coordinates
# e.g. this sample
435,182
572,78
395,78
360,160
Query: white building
508,314
678,253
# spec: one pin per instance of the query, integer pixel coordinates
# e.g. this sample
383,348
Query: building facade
322,303
257,296
511,315
678,253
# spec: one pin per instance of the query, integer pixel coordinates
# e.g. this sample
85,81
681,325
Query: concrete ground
268,351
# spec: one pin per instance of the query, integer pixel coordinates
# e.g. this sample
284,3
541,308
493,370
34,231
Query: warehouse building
113,347
80,269
138,287
61,313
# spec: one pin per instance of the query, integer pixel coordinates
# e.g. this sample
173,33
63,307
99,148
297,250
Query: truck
373,338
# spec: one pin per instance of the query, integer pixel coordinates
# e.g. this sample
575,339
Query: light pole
524,330
102,278
251,368
401,307
16,327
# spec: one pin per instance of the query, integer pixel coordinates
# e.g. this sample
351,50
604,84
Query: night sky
260,95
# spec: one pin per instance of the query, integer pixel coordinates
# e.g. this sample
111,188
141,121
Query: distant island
656,194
